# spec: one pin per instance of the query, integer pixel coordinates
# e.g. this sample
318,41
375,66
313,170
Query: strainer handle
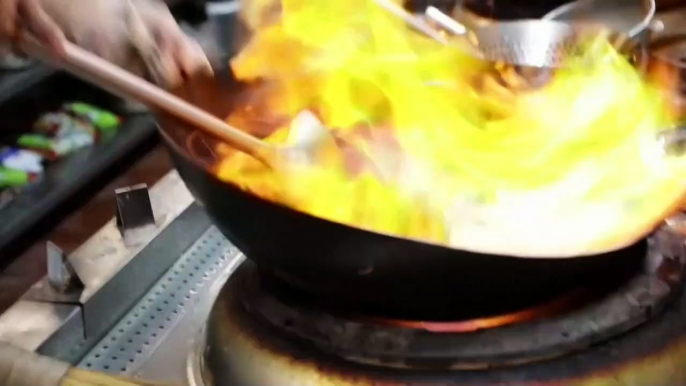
446,21
416,22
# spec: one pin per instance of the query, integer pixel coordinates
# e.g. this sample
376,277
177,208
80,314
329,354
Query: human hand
103,27
28,15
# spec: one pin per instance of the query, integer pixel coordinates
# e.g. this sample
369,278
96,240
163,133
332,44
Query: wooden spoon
313,138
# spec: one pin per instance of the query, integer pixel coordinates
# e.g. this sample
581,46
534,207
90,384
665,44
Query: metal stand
135,217
63,284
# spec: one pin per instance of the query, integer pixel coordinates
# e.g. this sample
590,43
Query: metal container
632,17
222,17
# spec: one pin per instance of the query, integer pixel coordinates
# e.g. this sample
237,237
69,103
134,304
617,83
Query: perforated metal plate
140,332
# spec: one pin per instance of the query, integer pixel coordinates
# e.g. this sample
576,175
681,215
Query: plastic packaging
104,121
19,159
11,178
58,134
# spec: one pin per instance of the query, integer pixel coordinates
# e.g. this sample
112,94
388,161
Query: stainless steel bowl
631,17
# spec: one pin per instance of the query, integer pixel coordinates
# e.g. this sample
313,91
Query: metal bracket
63,284
135,217
61,274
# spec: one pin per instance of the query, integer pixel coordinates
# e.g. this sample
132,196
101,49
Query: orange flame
439,150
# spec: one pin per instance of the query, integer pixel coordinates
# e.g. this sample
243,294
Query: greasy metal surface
628,305
61,275
29,323
253,354
163,309
632,17
135,217
101,312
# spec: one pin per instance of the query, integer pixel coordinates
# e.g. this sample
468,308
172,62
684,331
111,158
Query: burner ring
410,348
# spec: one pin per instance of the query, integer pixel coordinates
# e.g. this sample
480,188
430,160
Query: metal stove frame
141,306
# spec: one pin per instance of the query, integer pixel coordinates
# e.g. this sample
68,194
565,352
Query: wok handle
118,81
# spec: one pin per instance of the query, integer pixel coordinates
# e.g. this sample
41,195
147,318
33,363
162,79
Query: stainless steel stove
145,298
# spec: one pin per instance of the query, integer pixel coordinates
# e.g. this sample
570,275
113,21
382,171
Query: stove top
258,335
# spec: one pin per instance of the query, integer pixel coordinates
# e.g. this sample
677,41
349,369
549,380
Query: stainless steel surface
61,274
63,285
28,324
222,25
631,17
153,339
532,43
135,217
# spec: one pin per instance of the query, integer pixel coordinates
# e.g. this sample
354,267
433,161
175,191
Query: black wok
362,270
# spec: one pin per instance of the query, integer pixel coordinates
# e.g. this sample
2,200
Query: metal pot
632,17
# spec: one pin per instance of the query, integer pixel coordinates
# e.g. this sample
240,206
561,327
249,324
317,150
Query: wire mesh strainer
530,43
534,43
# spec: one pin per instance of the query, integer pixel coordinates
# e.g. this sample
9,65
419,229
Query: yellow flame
452,156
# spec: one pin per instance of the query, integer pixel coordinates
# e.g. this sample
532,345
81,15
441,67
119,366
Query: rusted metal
260,313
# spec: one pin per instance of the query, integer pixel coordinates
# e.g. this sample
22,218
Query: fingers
40,24
182,55
171,74
190,57
179,57
8,19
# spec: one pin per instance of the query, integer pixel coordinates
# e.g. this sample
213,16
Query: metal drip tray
153,340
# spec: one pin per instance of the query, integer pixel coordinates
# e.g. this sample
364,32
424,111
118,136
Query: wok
361,270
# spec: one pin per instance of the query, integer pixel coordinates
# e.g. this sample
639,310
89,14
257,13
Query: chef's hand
102,27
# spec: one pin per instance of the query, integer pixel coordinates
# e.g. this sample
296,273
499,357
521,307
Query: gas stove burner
256,336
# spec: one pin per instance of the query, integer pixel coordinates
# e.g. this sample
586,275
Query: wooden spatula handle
120,82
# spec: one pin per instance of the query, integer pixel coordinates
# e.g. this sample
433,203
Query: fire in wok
443,148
